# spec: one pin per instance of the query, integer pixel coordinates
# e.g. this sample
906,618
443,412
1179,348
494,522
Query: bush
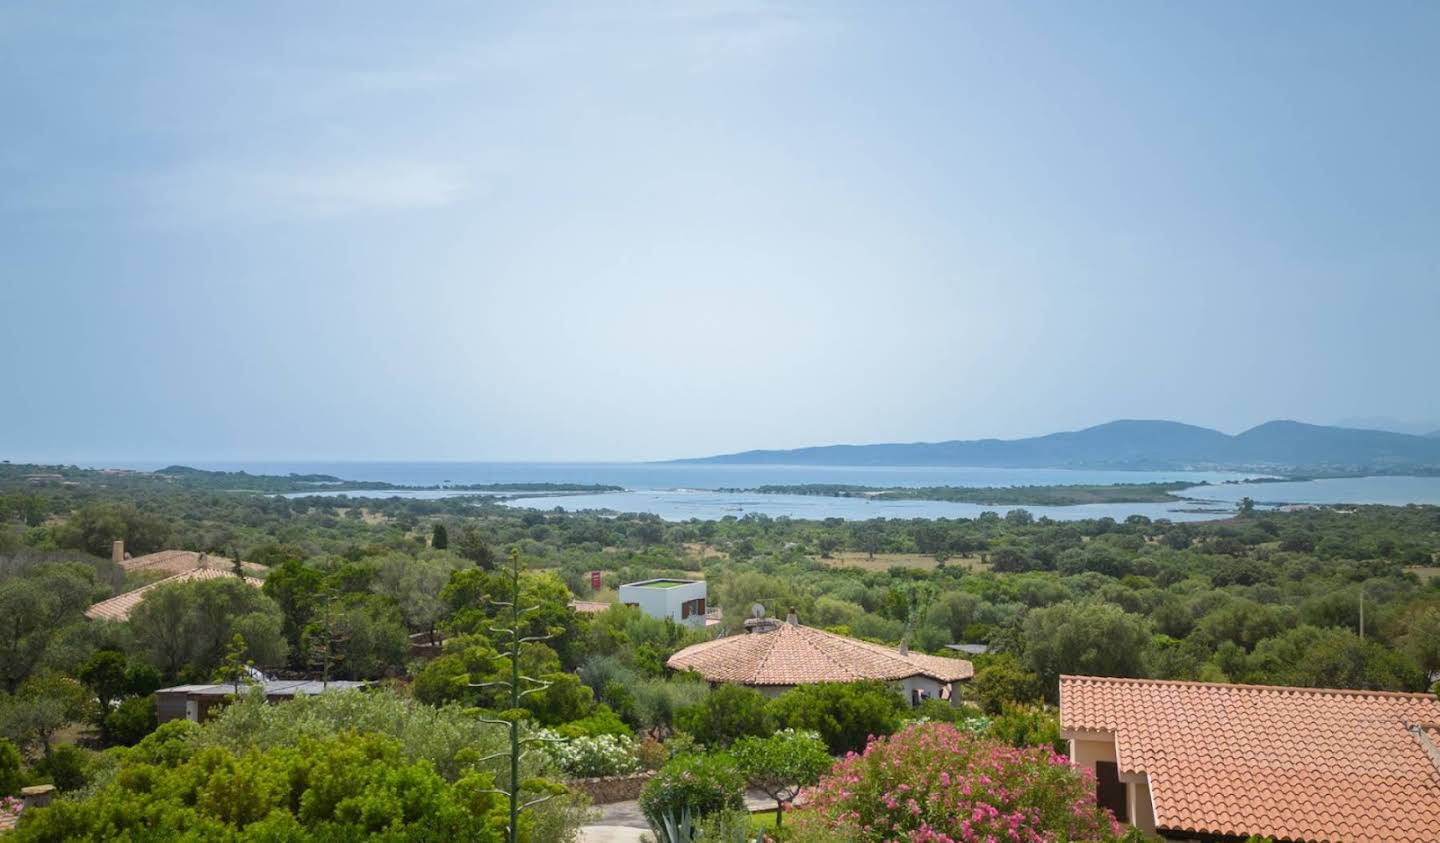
688,788
595,757
846,715
10,762
603,721
131,721
346,788
652,754
732,825
67,767
1028,725
1002,680
952,785
729,712
444,736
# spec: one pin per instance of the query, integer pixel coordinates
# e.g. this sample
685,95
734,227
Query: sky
630,231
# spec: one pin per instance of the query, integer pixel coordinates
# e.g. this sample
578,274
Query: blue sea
678,491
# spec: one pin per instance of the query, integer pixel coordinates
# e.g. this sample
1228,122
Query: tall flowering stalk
933,783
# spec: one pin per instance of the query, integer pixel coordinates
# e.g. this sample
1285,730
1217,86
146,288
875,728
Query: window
1110,792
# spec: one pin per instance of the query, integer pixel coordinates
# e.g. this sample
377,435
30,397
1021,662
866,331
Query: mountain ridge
1135,444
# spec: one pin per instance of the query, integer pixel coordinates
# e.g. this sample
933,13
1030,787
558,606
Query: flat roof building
195,702
681,600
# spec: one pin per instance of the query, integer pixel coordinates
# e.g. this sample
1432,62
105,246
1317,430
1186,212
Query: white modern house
681,600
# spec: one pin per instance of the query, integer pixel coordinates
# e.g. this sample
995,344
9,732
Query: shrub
688,788
132,719
1028,725
603,721
729,712
10,779
935,782
595,757
437,735
346,788
845,714
652,754
67,767
1001,679
731,825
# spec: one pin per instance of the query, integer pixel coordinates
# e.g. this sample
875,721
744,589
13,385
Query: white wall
1086,749
666,602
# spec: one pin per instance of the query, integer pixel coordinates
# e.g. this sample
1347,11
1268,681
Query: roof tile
798,655
1310,764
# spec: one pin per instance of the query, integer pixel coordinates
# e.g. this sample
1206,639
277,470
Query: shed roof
275,688
792,654
1339,766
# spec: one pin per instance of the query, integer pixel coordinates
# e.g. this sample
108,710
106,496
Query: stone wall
613,789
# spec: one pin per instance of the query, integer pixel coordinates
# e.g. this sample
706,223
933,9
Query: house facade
683,601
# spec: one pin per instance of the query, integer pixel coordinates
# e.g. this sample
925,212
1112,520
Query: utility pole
511,718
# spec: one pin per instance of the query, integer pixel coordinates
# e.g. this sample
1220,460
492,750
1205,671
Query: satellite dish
757,611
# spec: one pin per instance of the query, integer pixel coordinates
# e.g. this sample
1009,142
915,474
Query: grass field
763,820
886,561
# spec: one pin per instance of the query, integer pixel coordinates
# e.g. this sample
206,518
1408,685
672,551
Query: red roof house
1201,760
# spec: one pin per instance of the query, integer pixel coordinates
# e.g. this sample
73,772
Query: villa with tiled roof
171,562
1208,761
119,607
774,657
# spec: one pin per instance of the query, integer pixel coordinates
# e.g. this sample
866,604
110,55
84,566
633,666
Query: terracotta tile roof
1292,763
179,561
118,608
797,655
8,820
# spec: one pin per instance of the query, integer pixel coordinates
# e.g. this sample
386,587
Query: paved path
622,822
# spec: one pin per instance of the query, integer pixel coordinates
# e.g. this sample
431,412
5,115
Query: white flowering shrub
595,757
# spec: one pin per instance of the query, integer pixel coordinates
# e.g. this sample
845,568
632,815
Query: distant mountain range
1140,445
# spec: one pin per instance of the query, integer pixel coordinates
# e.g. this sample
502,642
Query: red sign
595,580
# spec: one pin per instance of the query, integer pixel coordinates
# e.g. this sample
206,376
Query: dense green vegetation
353,588
995,495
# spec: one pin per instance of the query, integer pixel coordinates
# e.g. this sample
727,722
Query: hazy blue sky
642,231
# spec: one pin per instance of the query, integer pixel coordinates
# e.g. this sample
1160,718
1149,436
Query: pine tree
235,668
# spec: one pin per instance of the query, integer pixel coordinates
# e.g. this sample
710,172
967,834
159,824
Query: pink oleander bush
933,783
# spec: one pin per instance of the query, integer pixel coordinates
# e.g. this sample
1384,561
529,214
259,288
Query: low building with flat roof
196,702
681,600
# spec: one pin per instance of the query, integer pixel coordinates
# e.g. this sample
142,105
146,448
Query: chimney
791,618
905,646
117,551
